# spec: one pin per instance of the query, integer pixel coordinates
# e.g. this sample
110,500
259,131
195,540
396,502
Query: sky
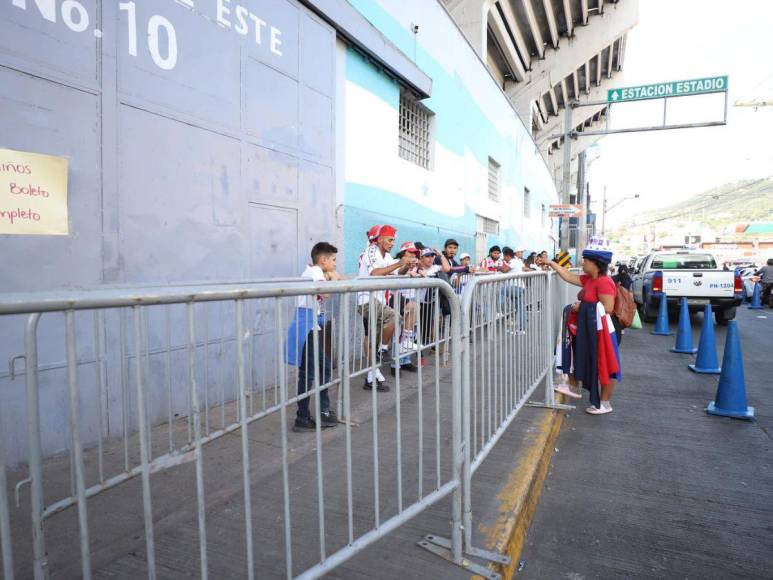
677,40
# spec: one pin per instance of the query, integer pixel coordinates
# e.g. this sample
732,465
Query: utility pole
604,213
563,237
582,199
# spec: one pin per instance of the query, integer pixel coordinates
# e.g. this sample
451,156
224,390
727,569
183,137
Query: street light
605,209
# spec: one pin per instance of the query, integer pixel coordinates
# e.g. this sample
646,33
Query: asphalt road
658,488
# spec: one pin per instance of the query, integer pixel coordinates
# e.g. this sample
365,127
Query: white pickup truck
690,274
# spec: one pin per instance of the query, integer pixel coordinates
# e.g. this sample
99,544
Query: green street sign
672,89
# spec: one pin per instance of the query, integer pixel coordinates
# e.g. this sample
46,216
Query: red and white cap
387,230
408,247
373,233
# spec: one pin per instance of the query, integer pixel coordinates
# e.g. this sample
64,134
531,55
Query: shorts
384,315
403,302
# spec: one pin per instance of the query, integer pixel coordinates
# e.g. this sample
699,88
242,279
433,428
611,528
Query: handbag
625,307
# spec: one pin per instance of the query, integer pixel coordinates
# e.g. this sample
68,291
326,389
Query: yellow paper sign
33,194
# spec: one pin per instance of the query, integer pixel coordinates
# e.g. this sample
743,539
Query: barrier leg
550,396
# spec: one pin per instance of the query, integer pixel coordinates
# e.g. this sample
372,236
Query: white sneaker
594,411
408,345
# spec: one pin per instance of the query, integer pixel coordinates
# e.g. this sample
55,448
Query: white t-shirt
431,272
372,259
315,274
516,264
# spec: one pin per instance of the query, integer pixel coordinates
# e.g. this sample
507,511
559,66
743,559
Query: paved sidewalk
117,536
659,489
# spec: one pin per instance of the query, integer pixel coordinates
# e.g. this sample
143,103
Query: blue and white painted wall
473,120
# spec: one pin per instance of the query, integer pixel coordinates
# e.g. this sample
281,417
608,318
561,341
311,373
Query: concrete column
472,18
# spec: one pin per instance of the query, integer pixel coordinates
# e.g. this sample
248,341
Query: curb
521,493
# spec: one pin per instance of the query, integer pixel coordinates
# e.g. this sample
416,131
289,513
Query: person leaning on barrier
543,257
377,261
300,338
765,277
493,262
514,290
428,268
404,303
596,359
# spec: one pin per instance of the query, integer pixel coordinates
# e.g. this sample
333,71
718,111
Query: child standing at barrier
596,359
300,338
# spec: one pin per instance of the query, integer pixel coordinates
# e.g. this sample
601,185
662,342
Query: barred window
415,131
493,179
487,225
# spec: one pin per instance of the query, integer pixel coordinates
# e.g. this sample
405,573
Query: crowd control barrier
150,427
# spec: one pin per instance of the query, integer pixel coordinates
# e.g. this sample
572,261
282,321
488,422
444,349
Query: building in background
218,140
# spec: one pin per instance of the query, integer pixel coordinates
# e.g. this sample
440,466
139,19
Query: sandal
564,389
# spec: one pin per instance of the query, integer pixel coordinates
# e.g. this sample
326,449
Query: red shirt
591,289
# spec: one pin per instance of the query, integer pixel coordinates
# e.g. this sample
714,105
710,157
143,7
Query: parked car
686,274
746,275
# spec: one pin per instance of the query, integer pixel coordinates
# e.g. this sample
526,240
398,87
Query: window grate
415,131
487,225
493,179
526,202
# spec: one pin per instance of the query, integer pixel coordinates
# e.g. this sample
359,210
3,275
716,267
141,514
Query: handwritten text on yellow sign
33,194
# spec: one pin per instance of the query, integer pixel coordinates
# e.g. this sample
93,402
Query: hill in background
713,215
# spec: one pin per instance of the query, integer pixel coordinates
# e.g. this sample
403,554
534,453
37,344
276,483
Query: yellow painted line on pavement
518,499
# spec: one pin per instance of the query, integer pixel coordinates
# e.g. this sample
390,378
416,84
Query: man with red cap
377,261
372,235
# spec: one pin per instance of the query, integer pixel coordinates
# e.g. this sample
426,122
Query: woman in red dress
596,359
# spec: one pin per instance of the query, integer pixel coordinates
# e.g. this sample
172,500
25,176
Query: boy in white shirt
323,268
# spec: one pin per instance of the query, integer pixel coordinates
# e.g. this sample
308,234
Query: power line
690,210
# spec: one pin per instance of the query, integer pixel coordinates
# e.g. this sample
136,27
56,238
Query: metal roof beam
609,61
512,22
553,101
598,69
621,51
569,18
575,85
586,43
552,24
564,93
555,125
536,116
587,76
584,11
506,44
534,27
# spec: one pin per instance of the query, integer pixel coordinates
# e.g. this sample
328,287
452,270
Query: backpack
625,307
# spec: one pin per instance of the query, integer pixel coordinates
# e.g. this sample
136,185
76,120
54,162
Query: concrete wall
473,120
200,148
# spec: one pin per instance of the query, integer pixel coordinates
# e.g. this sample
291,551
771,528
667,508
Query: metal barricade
511,326
168,396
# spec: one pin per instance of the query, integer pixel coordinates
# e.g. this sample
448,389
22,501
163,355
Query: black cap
451,242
